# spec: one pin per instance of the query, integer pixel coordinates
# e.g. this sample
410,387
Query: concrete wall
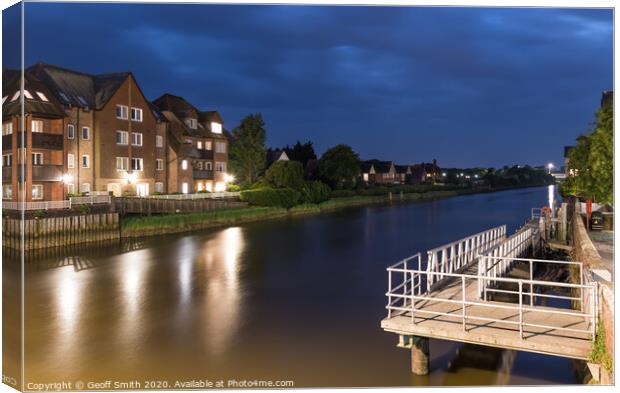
586,252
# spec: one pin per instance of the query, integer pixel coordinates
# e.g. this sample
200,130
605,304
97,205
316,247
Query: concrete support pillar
420,357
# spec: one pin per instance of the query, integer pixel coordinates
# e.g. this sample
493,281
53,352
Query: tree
285,174
339,166
301,152
247,150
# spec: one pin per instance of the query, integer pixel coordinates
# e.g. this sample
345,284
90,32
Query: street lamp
229,178
550,166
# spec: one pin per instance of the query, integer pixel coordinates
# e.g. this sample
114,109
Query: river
296,299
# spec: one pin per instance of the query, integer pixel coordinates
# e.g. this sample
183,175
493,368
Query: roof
276,155
184,110
77,88
34,102
380,166
402,168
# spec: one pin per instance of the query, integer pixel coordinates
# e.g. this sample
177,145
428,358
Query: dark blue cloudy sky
468,86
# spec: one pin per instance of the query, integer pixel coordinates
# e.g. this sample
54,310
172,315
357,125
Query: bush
39,214
285,174
234,188
342,193
315,192
272,197
204,192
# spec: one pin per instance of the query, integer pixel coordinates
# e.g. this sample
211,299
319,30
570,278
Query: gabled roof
11,85
365,166
183,110
177,105
77,88
276,155
403,169
380,166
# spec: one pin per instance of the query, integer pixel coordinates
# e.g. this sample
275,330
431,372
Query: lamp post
550,166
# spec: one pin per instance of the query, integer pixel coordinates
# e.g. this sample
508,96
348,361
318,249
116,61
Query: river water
296,299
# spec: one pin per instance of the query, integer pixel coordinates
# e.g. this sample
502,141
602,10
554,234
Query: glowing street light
550,166
66,178
229,178
131,177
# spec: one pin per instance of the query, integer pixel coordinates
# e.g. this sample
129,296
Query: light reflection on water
296,299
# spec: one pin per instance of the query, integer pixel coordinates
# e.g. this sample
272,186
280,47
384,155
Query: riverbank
134,227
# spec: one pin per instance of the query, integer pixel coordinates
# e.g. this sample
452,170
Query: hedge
280,197
315,192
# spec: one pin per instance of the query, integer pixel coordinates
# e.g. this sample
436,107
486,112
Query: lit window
71,188
37,126
220,147
70,161
122,163
27,94
70,131
184,164
4,99
209,186
184,188
37,191
37,158
159,187
159,141
15,96
122,112
365,176
137,164
136,114
159,164
86,187
122,137
85,161
200,186
7,128
7,159
216,128
136,139
7,191
220,186
209,145
85,133
200,165
199,145
42,96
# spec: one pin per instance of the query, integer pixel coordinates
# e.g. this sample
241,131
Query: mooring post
420,358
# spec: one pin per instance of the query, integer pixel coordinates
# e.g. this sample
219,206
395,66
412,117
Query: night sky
467,86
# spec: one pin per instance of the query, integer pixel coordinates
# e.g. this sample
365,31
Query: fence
56,205
204,195
404,298
150,206
454,256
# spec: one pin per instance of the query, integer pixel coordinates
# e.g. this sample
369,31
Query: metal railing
57,205
536,212
205,195
452,257
404,299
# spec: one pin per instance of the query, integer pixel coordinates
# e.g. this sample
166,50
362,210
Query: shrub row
272,197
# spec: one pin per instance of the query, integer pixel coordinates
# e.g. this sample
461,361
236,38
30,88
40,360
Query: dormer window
15,96
27,94
64,97
191,123
216,128
42,96
82,101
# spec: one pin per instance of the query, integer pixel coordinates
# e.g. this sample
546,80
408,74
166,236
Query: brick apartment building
87,132
197,148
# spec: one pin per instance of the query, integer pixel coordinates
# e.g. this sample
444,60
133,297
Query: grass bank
177,223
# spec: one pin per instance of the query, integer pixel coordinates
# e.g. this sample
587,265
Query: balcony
7,142
7,174
42,140
206,154
200,174
44,172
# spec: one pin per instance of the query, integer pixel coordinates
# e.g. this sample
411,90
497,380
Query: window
137,164
7,159
159,164
70,131
199,145
37,158
136,114
121,111
159,141
184,188
216,128
85,161
122,137
27,94
220,167
71,188
122,163
82,101
70,161
200,186
136,139
64,97
220,147
191,123
209,145
86,187
7,191
209,166
7,128
37,191
15,96
42,96
37,126
85,133
200,165
4,99
184,164
159,187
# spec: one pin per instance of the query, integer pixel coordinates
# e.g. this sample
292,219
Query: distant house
424,173
276,155
403,172
380,172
